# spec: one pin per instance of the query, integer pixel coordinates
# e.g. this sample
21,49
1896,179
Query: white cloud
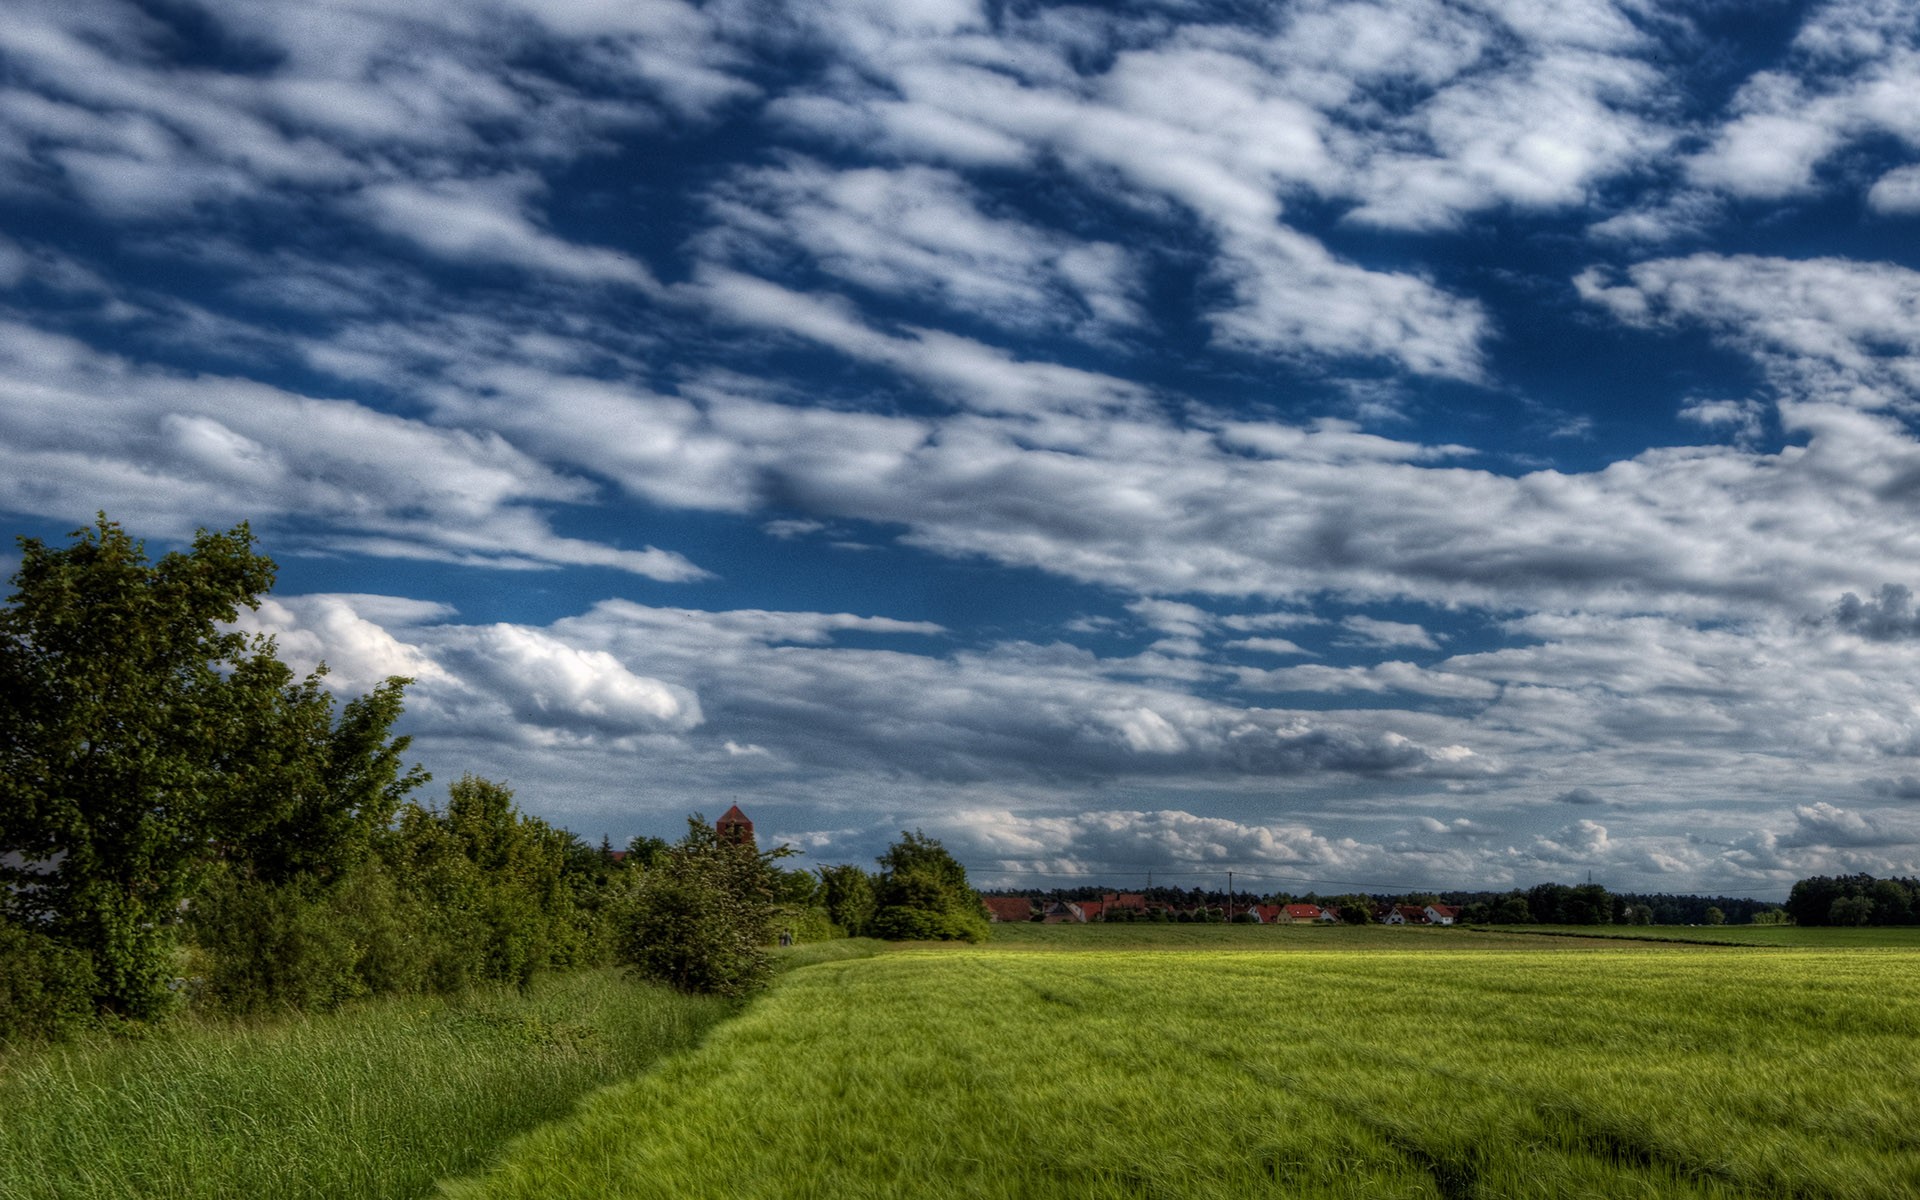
85,430
1897,193
925,233
1827,329
1849,78
485,221
1372,632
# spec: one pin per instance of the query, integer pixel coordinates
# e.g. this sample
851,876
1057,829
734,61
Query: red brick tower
733,826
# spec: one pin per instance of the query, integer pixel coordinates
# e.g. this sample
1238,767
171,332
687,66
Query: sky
1398,446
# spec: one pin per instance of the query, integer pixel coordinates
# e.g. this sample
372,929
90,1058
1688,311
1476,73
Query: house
1269,914
1301,914
1405,914
1442,914
1008,908
1129,900
1061,912
1329,915
1092,910
733,826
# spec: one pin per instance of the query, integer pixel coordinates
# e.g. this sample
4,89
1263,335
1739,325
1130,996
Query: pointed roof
733,816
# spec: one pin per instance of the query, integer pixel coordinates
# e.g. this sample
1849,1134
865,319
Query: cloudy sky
1405,444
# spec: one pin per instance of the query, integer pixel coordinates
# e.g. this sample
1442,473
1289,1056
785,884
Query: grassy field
1484,1069
1907,937
1145,935
1150,936
376,1101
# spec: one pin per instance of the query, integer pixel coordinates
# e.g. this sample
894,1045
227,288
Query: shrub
804,923
308,944
45,988
699,919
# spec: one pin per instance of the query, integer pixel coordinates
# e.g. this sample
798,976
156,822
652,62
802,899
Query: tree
145,742
848,895
1354,909
699,918
1850,910
126,689
313,794
1713,916
923,895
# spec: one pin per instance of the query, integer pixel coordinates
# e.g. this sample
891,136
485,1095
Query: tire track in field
1456,1174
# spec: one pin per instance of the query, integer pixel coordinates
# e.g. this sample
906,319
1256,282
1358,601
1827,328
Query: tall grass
1603,1070
378,1100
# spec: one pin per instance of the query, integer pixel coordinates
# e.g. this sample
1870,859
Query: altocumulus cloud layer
1415,443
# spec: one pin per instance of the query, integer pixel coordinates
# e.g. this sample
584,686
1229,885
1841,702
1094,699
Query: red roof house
1008,908
1303,912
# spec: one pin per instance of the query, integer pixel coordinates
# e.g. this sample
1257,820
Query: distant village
1134,906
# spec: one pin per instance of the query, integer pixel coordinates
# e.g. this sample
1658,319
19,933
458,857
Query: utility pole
1229,897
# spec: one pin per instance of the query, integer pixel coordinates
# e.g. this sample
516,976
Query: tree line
1853,900
1542,904
186,822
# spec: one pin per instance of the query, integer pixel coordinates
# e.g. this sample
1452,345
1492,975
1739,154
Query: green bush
700,918
310,945
45,988
804,923
923,895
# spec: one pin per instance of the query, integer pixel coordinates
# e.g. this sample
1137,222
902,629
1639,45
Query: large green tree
143,738
923,894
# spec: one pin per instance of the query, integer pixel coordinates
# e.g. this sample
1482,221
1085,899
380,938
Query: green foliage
1512,910
1854,900
128,700
504,892
319,793
923,895
803,923
847,891
1715,916
1354,910
311,944
476,894
699,919
1772,916
148,744
46,989
646,851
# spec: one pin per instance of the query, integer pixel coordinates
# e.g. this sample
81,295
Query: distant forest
1543,904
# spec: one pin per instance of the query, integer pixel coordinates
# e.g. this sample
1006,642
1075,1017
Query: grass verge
378,1100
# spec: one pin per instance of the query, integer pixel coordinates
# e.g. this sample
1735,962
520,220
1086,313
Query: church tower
733,826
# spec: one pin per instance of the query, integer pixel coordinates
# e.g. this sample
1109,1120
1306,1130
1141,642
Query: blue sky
1399,444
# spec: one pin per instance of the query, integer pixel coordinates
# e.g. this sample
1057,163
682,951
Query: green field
1150,936
1885,937
379,1100
1484,1069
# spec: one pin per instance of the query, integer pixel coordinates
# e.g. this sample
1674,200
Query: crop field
1832,938
1571,1068
1152,936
